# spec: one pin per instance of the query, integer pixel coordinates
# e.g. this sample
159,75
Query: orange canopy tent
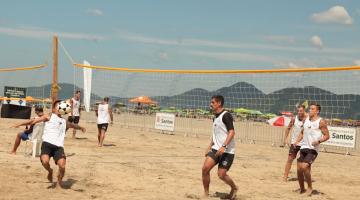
142,99
30,99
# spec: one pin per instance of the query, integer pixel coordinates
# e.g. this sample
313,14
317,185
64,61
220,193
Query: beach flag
87,86
279,121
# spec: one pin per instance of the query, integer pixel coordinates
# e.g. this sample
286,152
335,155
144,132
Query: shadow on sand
81,138
293,179
109,145
317,192
65,184
70,154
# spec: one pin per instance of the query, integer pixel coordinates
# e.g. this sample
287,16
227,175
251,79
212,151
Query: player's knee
205,170
292,156
290,159
61,167
61,163
44,161
302,166
299,166
222,175
305,165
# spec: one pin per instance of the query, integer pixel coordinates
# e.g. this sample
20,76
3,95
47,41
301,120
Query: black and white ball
64,107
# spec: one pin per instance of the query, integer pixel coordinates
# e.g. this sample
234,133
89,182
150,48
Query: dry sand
137,164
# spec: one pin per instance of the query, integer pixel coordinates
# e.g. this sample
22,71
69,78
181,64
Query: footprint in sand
192,196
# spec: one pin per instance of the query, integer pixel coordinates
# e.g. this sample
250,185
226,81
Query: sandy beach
139,164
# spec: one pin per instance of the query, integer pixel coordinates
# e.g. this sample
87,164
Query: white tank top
296,130
312,133
76,107
54,131
103,114
220,133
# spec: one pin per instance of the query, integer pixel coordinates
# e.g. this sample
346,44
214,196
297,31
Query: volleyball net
252,96
258,93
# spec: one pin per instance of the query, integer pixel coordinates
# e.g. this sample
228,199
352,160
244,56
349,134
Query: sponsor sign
165,121
15,92
341,137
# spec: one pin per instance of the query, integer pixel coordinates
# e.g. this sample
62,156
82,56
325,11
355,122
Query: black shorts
53,151
103,126
74,119
294,149
307,156
225,160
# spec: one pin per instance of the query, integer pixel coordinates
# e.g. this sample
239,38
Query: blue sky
166,34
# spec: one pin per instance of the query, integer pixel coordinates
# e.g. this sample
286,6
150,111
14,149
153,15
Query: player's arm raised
25,123
43,118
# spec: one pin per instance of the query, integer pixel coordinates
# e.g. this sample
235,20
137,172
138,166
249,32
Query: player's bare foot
233,193
285,179
58,182
12,152
50,175
309,192
58,185
205,196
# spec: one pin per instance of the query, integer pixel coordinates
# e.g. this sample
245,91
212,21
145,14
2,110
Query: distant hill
66,91
245,95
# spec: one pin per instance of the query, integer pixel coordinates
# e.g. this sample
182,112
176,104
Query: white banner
87,86
20,102
341,137
165,121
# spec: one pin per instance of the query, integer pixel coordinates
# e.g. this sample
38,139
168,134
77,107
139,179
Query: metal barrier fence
246,131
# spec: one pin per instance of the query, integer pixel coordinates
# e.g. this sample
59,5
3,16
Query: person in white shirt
296,126
53,141
221,149
74,116
104,115
26,134
315,131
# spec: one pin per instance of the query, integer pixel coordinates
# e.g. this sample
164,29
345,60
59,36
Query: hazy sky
186,34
